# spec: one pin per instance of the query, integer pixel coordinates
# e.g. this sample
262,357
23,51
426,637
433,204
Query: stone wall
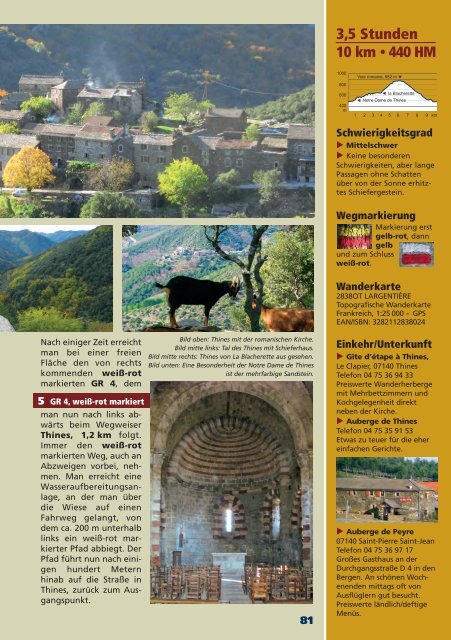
196,512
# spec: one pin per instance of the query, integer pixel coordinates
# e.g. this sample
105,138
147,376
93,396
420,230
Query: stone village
217,146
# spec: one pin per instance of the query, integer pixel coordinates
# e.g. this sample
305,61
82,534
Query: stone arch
291,400
239,439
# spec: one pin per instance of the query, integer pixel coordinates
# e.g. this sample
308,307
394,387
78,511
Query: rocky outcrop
5,325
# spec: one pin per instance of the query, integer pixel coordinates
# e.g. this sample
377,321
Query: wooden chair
293,586
259,589
193,589
214,585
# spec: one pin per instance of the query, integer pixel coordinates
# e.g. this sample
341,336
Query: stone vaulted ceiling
229,450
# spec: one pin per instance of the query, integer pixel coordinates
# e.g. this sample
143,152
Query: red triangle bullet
339,356
339,144
339,154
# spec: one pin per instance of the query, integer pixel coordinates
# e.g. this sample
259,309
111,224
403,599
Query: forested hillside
250,64
68,287
419,468
298,107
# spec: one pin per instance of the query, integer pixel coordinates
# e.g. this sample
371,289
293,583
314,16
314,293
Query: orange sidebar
388,439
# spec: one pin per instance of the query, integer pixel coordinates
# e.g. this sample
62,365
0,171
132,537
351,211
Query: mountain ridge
255,62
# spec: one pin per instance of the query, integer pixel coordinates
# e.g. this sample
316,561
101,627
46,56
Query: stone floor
232,591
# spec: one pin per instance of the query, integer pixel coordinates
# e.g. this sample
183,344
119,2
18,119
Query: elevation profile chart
392,92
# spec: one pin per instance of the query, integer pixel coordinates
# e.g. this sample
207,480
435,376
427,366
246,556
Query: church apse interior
231,485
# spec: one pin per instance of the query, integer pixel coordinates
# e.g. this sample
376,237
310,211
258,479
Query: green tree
249,266
225,186
148,121
79,171
6,127
6,207
76,114
183,106
179,106
203,106
182,183
47,319
118,118
96,108
252,133
111,175
297,107
129,230
78,166
110,205
39,107
268,185
29,210
289,269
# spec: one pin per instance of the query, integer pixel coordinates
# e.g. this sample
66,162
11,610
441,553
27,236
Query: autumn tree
39,106
182,183
249,266
29,169
111,175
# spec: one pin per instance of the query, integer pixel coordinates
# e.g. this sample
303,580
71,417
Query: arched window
228,520
275,519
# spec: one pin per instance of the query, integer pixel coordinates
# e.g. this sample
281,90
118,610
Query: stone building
301,153
12,143
220,154
39,85
103,121
152,153
386,499
236,154
13,100
231,474
64,95
125,99
221,120
199,148
58,141
97,143
15,116
140,86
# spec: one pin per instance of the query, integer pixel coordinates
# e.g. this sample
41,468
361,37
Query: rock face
5,325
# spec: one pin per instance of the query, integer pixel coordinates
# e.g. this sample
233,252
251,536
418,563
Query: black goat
183,290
